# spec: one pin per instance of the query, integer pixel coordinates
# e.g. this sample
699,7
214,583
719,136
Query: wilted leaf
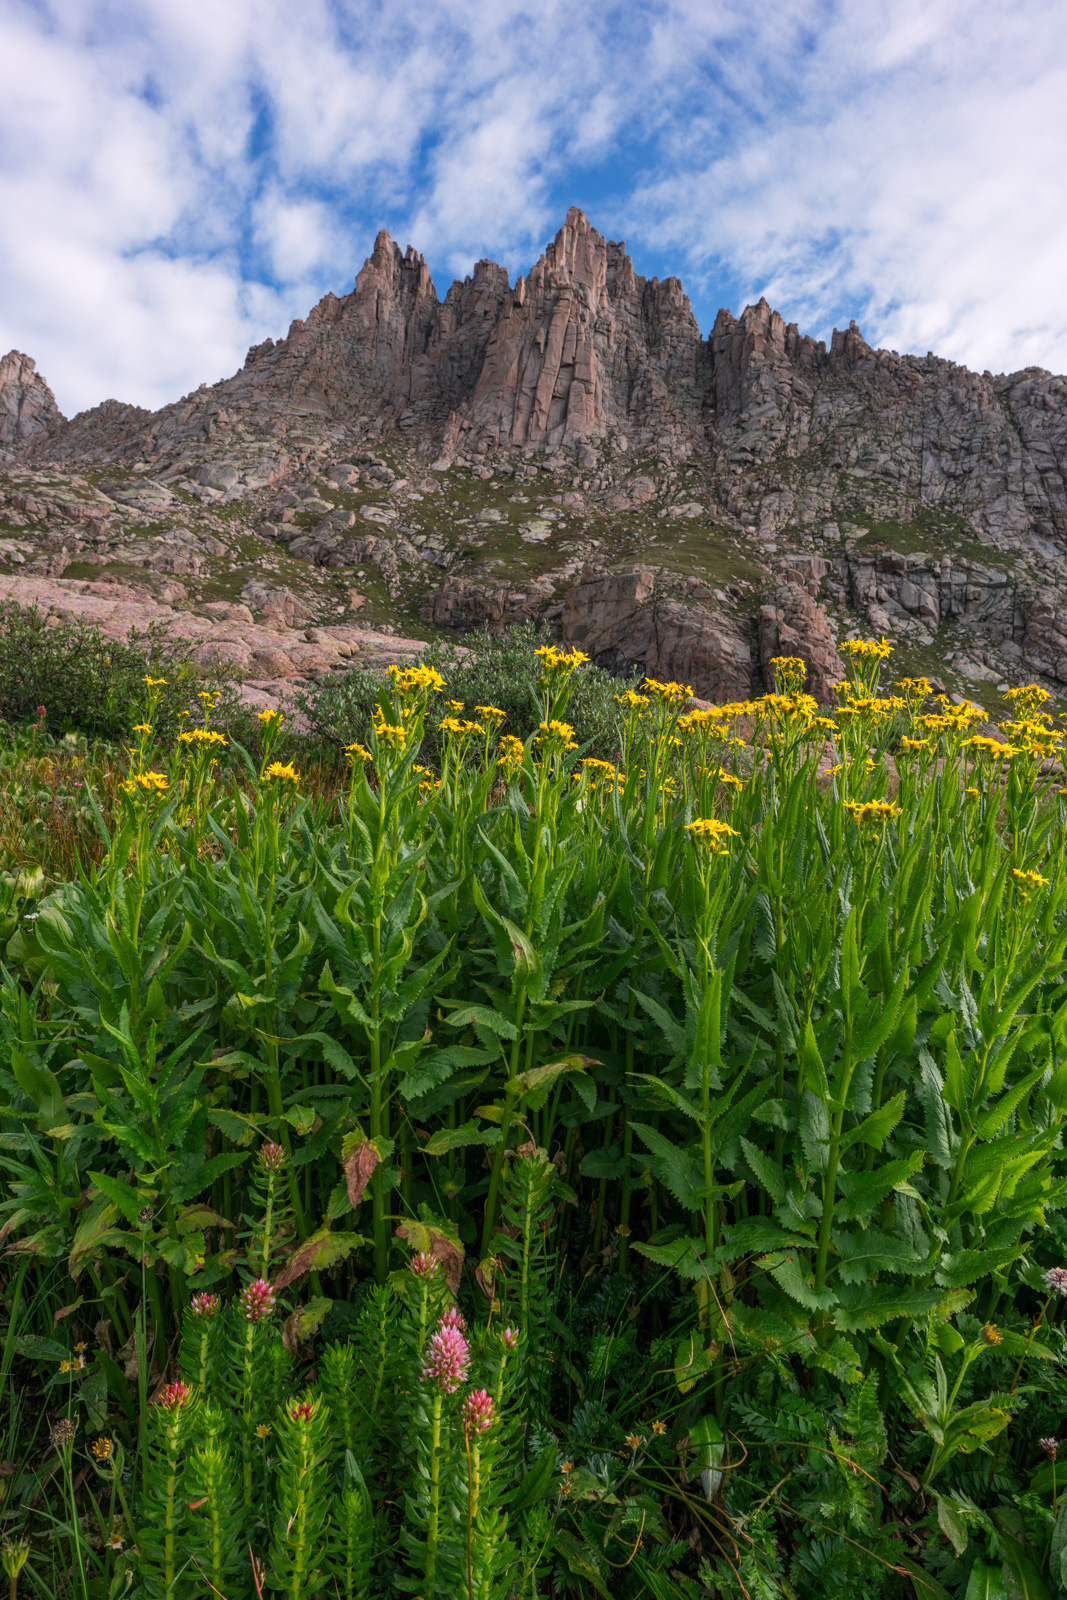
299,1326
360,1160
446,1248
324,1249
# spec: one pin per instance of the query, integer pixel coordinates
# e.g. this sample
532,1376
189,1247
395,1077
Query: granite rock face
28,410
618,620
691,506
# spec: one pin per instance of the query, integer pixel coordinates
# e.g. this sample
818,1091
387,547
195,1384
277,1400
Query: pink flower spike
447,1360
478,1411
271,1157
300,1410
1055,1280
173,1396
1050,1447
510,1337
205,1305
454,1318
424,1266
257,1300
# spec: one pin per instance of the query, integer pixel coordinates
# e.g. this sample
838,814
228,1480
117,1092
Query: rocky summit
568,448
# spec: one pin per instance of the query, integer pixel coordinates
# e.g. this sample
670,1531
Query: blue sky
180,178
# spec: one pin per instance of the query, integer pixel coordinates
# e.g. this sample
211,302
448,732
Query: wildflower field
497,1171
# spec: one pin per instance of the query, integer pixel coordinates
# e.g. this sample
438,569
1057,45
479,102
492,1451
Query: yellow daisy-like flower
553,660
142,727
632,700
790,673
914,747
263,1430
971,793
271,719
865,813
391,735
65,1366
146,783
202,736
1028,882
991,1334
671,693
995,749
114,1540
866,649
358,752
634,1441
1025,700
284,774
408,680
556,735
490,713
510,751
455,705
102,1449
715,834
154,683
659,1428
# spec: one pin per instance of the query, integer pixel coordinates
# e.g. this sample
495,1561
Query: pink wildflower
257,1300
424,1266
510,1337
272,1157
454,1318
1050,1446
1055,1280
447,1360
205,1305
477,1411
173,1396
300,1410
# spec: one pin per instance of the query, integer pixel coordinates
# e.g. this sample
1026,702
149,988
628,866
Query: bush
482,671
91,684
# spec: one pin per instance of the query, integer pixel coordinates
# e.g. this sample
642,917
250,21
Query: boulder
790,623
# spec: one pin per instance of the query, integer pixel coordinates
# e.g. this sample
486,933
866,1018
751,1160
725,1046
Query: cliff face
28,410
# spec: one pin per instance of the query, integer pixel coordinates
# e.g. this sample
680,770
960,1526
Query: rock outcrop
28,410
791,624
618,620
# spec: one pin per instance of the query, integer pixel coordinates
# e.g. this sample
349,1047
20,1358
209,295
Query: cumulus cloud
178,178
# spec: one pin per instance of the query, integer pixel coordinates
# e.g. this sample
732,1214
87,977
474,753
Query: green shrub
482,671
92,684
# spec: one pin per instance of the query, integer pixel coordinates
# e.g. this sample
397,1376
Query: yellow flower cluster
790,674
146,783
271,719
410,680
490,713
390,734
556,736
203,737
866,649
358,752
1025,700
1028,882
671,694
995,749
866,813
510,751
283,774
715,834
553,660
631,700
461,730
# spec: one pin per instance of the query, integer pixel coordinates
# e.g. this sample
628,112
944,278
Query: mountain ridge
902,493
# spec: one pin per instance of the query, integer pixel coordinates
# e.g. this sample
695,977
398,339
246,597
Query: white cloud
179,178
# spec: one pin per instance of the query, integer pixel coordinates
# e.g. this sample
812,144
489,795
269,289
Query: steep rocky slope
568,447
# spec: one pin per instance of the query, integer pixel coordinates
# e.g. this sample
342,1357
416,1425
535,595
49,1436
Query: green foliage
485,669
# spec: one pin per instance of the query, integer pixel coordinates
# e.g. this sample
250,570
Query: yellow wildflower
864,812
142,727
357,751
390,734
991,1334
995,749
101,1449
634,1441
790,673
866,649
154,683
631,699
670,693
455,705
715,834
510,751
1028,882
1025,700
914,747
557,735
490,713
285,774
201,736
271,719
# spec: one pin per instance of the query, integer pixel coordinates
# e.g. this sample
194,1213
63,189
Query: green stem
433,1530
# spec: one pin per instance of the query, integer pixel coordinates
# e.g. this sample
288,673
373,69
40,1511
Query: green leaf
472,1016
864,1307
533,1085
603,1163
324,1249
868,1250
40,1349
766,1171
536,1483
875,1129
684,1256
788,1275
122,1197
952,1522
692,1361
814,1131
446,1139
984,1583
